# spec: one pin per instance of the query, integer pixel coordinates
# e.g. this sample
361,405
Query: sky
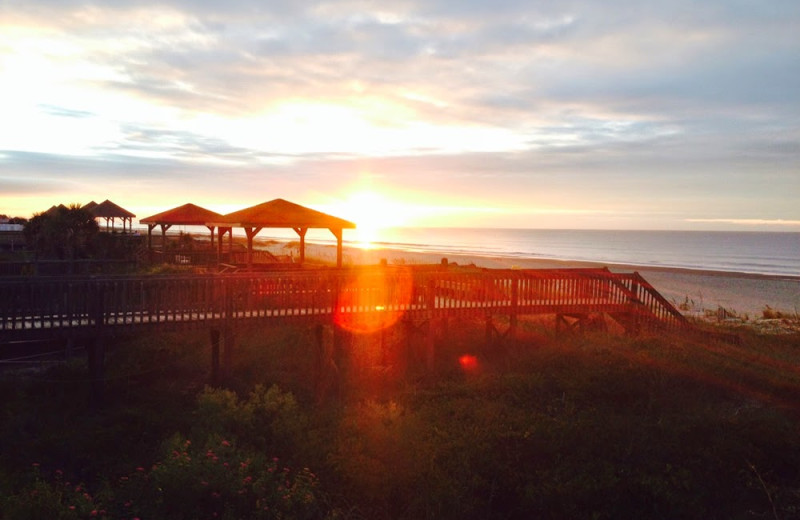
618,114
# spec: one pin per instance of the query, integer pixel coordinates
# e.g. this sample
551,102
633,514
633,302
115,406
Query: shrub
269,419
55,499
211,479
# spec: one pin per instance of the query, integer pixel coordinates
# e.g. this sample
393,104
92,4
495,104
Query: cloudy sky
512,113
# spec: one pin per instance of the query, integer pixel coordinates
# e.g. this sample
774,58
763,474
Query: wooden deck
358,298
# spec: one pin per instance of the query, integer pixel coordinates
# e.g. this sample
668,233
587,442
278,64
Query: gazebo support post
221,241
302,232
250,232
150,236
164,228
338,234
211,228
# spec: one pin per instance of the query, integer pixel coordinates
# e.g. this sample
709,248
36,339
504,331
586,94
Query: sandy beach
702,291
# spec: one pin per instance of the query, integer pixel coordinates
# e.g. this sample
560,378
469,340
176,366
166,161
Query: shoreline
698,291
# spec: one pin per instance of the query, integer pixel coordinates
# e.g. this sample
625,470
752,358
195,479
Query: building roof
186,215
53,210
281,213
108,209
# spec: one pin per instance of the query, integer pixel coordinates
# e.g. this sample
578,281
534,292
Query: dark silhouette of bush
62,233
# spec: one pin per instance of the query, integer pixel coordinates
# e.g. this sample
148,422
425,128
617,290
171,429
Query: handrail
75,303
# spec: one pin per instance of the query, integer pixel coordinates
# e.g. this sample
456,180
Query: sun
371,212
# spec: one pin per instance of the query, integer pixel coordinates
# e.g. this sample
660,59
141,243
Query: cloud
747,221
65,112
671,106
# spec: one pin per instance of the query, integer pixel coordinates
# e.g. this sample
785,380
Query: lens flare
375,300
468,363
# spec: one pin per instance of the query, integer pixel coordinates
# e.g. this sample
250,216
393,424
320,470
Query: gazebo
109,211
281,213
186,215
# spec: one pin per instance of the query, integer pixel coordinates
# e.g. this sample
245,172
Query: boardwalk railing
64,306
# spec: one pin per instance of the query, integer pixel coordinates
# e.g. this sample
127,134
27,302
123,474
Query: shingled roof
108,209
186,215
280,213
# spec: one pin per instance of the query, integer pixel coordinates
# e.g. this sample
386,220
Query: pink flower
226,443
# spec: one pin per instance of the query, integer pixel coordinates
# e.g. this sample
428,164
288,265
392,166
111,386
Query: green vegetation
593,426
63,233
70,235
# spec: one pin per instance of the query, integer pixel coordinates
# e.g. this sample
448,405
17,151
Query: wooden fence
51,307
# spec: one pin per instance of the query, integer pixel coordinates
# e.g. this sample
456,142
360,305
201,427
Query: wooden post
215,374
227,331
230,244
302,233
512,330
150,236
338,234
221,236
342,345
95,352
250,232
430,345
634,306
326,373
228,344
164,228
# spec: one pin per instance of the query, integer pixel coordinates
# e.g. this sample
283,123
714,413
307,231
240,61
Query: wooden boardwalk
91,311
361,298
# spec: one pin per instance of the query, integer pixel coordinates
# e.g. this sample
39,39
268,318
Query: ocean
747,252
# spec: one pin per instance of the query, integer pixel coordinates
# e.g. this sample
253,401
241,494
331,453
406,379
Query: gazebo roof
108,209
186,215
281,213
55,209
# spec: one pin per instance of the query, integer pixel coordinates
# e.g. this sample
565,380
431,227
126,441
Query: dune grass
592,426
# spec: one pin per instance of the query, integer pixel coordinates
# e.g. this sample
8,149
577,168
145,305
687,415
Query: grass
593,426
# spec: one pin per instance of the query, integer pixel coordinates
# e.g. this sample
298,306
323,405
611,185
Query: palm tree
63,233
